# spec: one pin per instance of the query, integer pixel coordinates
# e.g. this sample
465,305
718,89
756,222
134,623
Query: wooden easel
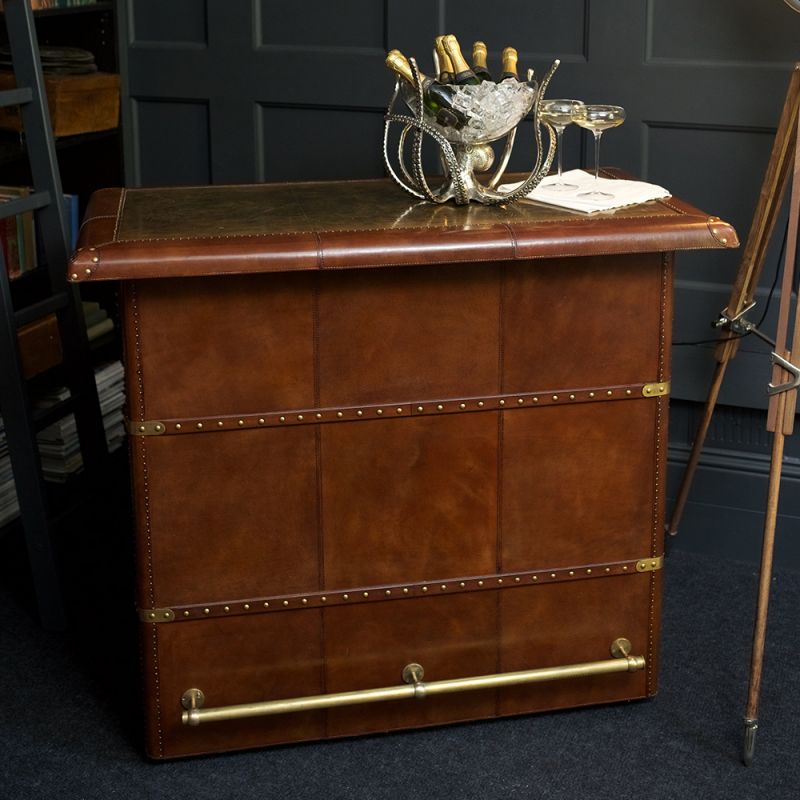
782,391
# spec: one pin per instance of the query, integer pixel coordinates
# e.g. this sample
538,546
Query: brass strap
372,594
194,699
312,416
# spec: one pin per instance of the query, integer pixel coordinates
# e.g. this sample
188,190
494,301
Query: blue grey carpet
69,719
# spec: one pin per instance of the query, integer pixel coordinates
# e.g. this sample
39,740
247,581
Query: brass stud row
646,390
575,573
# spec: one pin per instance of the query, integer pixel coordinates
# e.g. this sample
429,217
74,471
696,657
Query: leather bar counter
394,465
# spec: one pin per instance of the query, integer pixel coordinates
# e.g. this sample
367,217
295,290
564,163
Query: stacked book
58,444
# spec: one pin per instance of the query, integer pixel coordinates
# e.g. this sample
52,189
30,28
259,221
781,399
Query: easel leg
765,579
697,447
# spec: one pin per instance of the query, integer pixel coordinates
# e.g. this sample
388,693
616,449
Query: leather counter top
213,230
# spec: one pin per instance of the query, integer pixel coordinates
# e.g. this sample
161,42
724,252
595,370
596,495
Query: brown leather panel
256,536
607,322
566,624
234,345
236,660
368,646
577,480
210,230
421,332
409,501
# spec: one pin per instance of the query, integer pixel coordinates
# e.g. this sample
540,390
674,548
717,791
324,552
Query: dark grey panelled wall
225,91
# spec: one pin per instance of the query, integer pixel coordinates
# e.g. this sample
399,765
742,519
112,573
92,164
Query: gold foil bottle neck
453,50
445,64
479,54
399,64
510,58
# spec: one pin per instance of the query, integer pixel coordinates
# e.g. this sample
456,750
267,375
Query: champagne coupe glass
560,113
598,118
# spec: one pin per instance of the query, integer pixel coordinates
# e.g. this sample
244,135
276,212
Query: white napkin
625,193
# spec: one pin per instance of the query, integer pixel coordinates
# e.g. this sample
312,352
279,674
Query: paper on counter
626,193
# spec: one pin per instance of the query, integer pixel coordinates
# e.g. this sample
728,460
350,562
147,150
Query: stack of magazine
58,444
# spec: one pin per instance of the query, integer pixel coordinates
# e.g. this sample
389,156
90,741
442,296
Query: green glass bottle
479,54
510,63
438,98
462,73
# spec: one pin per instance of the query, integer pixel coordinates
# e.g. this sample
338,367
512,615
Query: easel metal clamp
792,369
739,325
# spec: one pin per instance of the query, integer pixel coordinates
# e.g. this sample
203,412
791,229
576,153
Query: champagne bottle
445,65
462,73
438,98
479,67
510,63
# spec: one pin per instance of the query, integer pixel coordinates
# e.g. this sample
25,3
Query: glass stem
559,133
597,135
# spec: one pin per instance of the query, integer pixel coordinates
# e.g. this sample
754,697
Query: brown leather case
368,433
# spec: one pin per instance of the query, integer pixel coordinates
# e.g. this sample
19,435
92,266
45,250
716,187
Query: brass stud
625,569
499,580
166,615
199,425
440,407
261,420
399,410
152,615
227,608
555,397
552,574
379,411
304,601
286,602
339,414
346,596
282,419
424,588
420,409
648,390
241,422
462,584
535,578
185,613
517,580
366,594
142,428
324,599
74,276
178,426
159,427
95,259
206,610
521,401
480,403
608,569
299,417
405,591
462,405
388,592
535,399
588,572
591,394
88,271
609,392
220,423
502,402
266,605
628,391
572,397
571,572
247,606
319,416
480,583
359,413
444,586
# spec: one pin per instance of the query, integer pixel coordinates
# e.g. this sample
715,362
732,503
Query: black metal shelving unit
47,293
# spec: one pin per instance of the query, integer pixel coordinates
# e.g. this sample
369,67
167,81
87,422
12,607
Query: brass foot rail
622,661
